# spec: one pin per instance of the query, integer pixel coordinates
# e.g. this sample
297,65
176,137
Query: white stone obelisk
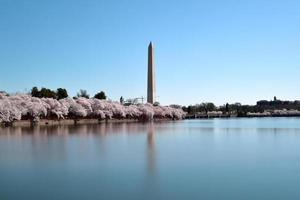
151,91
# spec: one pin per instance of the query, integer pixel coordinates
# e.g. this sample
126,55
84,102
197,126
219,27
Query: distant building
278,104
134,101
262,103
4,93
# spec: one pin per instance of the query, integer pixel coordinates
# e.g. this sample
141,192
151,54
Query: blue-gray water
192,159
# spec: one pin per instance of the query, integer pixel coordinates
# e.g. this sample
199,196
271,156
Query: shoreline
55,122
190,117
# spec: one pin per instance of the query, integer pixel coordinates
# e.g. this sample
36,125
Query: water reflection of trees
55,137
85,129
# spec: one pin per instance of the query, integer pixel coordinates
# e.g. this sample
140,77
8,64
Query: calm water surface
192,159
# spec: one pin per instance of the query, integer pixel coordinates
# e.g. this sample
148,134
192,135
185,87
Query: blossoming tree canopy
21,106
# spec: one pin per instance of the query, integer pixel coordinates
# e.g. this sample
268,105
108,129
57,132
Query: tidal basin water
191,159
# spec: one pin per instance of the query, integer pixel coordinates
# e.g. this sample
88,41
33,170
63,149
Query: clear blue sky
213,50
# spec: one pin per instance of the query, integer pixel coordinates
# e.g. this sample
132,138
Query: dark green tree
227,108
47,93
100,95
121,100
61,93
185,109
210,106
191,109
35,92
83,93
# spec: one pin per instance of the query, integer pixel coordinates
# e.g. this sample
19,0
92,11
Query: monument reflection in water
192,159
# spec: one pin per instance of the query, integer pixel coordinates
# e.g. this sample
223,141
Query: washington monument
151,89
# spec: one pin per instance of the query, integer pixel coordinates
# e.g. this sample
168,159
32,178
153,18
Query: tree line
242,110
61,93
236,108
